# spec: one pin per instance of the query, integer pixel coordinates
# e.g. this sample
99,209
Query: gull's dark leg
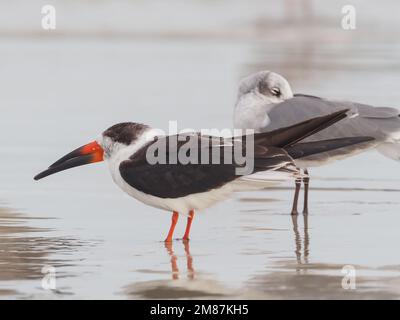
296,195
306,181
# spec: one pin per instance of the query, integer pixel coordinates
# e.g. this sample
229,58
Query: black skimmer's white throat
184,188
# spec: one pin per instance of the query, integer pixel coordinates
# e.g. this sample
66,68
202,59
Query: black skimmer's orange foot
174,221
188,186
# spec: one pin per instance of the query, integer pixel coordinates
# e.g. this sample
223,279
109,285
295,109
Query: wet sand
61,92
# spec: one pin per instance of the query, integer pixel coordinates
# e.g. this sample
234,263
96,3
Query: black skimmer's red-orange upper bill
185,187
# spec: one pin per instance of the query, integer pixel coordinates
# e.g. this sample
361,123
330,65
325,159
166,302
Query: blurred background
153,61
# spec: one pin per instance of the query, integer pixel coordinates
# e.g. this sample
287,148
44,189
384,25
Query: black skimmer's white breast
186,187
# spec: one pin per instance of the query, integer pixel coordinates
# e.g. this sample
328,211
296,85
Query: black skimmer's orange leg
175,216
188,225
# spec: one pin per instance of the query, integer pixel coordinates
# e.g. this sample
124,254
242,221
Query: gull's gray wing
364,120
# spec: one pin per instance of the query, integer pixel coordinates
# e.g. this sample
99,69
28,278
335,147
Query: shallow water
59,93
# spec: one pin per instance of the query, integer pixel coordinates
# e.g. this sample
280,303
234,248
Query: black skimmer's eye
89,153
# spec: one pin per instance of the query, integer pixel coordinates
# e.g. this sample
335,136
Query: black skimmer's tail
183,187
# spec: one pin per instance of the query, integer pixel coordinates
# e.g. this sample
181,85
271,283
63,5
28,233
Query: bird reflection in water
26,249
301,253
178,286
174,260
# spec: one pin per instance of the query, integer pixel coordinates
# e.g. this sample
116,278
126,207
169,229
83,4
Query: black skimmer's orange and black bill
184,188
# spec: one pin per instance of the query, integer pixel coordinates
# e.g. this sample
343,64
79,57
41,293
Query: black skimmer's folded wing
175,180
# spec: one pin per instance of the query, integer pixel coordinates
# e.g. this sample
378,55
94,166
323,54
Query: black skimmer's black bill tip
75,162
89,153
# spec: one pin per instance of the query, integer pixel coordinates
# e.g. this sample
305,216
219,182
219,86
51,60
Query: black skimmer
184,188
266,102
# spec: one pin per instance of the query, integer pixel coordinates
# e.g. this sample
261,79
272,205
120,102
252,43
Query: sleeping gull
266,102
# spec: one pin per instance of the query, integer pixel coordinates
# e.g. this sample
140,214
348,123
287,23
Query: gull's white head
268,86
257,94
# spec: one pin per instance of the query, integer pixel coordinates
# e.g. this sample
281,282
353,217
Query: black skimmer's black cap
125,132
